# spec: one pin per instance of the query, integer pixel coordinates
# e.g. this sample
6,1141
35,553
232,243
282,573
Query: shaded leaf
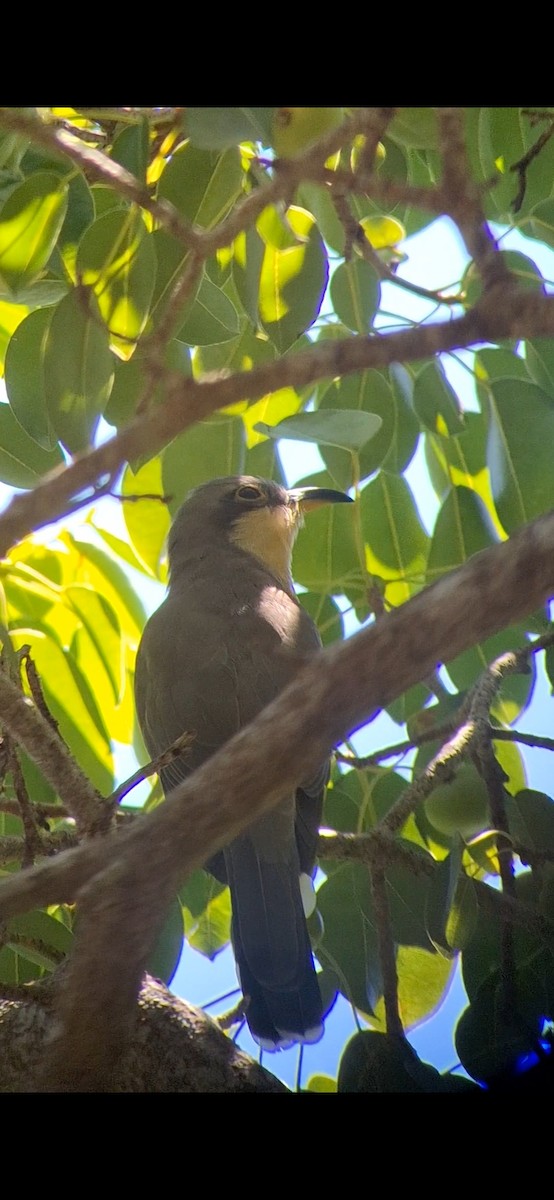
117,260
22,461
78,369
356,293
24,377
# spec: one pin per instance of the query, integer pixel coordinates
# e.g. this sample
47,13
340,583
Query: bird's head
257,515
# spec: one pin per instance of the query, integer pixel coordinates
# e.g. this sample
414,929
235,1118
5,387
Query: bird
226,640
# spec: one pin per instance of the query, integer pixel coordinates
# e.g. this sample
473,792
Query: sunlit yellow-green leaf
293,281
94,566
30,222
423,979
382,231
270,410
102,625
212,931
11,315
147,521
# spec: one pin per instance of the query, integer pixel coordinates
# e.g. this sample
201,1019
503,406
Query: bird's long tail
270,938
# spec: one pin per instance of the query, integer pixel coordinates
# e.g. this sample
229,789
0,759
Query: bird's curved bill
312,497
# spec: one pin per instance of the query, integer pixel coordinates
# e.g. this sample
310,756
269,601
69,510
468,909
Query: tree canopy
180,290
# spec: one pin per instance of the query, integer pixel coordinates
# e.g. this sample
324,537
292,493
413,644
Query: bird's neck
269,536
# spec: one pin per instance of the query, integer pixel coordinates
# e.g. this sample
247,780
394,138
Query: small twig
533,740
236,1014
134,498
178,749
35,688
32,841
523,163
31,730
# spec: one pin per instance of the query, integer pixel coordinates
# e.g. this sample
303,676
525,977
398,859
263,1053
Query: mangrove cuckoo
226,640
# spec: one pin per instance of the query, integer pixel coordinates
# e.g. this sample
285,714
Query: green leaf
515,689
378,1063
350,429
349,945
129,382
356,293
248,257
462,528
326,615
207,450
370,393
316,199
491,1039
359,799
500,147
202,185
325,555
436,402
415,128
423,980
198,891
521,436
482,956
395,540
406,430
218,128
539,358
70,700
30,222
293,281
130,149
117,260
24,377
100,569
407,897
382,232
460,461
23,462
212,931
321,1083
78,369
440,898
102,625
147,521
163,959
39,943
211,317
531,819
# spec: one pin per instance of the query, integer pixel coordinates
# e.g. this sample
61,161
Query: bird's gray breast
214,654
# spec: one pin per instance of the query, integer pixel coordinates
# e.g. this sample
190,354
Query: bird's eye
248,493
